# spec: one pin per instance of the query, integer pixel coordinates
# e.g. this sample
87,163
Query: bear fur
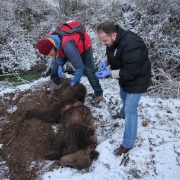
76,139
77,128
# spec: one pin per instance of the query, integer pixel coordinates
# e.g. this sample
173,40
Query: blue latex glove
60,71
72,83
103,74
103,64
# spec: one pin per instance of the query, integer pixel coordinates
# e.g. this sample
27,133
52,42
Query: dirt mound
25,140
28,136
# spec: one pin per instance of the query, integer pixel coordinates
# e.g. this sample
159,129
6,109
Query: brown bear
76,139
77,130
80,159
48,106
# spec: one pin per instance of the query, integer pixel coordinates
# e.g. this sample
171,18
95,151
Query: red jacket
78,42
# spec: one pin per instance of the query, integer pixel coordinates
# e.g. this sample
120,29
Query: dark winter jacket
130,54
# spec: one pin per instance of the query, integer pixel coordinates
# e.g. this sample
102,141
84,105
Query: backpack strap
82,37
78,29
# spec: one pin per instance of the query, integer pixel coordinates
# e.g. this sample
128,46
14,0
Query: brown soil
25,140
27,133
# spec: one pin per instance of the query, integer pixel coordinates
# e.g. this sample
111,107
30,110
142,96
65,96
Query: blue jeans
89,72
129,109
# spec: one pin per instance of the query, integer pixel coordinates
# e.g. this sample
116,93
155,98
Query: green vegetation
19,78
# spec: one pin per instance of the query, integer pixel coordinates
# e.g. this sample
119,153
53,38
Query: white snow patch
12,109
4,89
55,128
1,146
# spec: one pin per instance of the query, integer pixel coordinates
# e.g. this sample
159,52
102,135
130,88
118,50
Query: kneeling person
70,42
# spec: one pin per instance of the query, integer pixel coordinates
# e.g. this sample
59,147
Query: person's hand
103,64
103,74
60,71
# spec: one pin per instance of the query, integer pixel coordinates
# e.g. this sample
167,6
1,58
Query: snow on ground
23,87
156,154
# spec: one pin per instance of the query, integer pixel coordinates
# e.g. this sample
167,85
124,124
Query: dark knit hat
44,46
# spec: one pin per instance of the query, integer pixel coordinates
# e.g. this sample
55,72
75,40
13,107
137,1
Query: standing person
127,56
70,42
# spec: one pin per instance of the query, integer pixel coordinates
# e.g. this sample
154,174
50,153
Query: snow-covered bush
156,21
22,22
160,27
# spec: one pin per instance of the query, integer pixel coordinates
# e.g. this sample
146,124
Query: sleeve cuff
115,73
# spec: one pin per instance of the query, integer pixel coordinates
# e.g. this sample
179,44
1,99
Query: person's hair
107,27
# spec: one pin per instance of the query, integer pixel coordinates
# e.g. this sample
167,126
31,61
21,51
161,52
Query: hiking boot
121,150
118,115
96,99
